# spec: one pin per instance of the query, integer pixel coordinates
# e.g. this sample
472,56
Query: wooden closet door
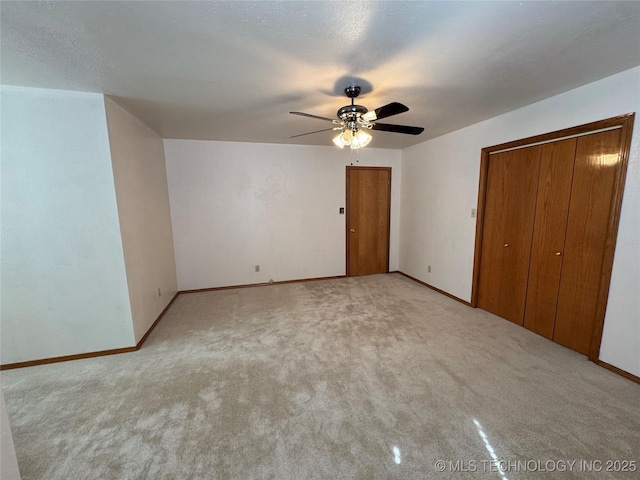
510,202
596,167
549,231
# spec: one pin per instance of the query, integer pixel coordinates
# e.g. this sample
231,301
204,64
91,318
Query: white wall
8,460
64,287
137,155
237,205
440,187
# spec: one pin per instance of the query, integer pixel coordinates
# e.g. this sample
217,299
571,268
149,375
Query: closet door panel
508,225
552,207
596,164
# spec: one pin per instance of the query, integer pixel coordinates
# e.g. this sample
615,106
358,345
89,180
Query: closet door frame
625,123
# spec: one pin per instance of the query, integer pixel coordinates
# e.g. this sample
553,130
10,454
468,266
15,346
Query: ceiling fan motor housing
351,112
351,115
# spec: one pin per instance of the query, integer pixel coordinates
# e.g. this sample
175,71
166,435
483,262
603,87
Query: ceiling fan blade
309,133
311,116
390,109
387,127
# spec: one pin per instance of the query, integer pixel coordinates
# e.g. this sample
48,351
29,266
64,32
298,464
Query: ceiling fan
354,121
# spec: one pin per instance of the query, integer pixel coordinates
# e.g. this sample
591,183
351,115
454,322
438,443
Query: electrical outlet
429,268
257,268
159,292
473,213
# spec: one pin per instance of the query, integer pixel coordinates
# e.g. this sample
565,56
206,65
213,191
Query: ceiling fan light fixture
343,139
337,140
352,138
360,139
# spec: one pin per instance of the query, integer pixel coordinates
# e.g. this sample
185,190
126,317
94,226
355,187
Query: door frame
625,123
348,213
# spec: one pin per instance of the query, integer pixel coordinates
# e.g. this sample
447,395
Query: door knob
353,230
558,254
506,244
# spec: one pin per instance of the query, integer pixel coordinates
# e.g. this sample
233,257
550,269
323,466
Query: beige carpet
362,378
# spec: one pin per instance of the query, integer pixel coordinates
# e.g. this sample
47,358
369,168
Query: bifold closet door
597,162
510,203
549,231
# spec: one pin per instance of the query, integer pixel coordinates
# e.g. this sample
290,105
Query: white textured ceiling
233,70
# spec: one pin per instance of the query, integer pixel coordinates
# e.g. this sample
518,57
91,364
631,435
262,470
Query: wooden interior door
368,220
510,203
597,162
549,231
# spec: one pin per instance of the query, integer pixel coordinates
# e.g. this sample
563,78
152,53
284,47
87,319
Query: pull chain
355,152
